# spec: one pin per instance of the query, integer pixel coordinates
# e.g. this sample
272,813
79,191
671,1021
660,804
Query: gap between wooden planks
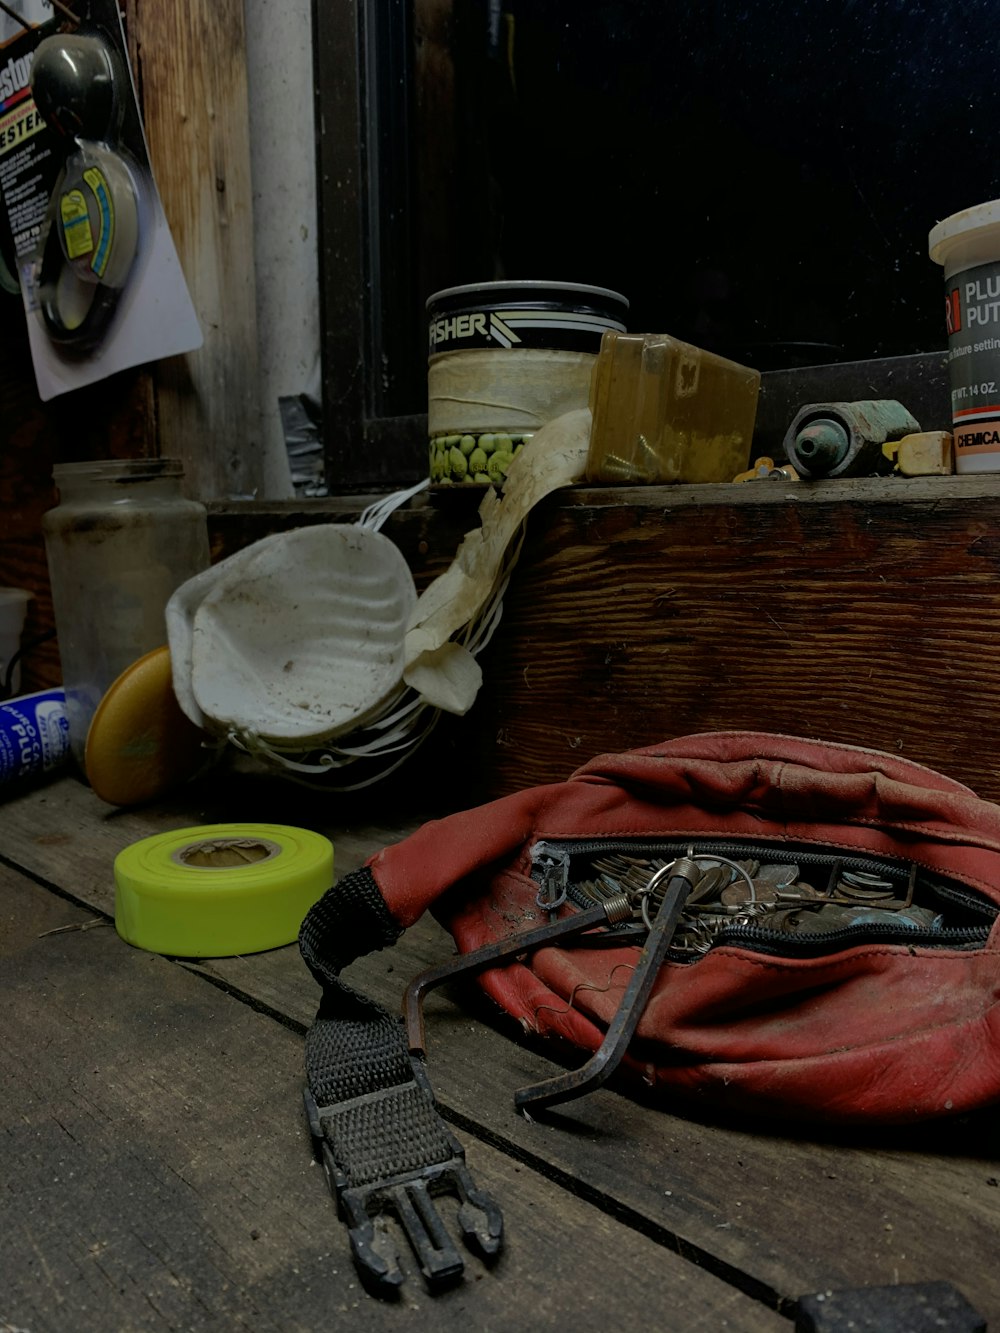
159,1170
788,1215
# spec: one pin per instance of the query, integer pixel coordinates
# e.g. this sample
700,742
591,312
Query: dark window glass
758,178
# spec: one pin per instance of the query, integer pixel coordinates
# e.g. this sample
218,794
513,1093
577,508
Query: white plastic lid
522,288
962,227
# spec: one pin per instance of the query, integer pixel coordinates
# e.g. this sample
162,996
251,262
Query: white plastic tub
967,245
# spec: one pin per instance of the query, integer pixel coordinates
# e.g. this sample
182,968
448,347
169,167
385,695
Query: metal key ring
712,857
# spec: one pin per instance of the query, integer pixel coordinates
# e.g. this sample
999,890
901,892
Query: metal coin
708,886
863,895
861,879
735,895
778,875
765,893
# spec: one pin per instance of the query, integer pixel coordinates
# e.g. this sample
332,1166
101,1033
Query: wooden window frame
368,285
375,105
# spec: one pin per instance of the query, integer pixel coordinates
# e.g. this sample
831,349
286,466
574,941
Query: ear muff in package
83,223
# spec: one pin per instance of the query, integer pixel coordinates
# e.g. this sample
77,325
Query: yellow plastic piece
219,890
927,454
76,224
765,469
667,411
139,744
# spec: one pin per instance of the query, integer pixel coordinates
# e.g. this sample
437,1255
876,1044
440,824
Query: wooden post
190,69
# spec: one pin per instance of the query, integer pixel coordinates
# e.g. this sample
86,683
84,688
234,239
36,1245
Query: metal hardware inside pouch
802,902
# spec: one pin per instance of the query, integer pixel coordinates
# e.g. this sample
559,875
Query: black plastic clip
409,1198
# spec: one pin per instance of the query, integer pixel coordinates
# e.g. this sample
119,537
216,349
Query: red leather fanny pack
889,1014
801,930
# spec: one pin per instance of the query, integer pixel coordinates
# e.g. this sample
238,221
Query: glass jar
120,541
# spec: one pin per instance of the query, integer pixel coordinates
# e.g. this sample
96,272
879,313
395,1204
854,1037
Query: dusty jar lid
961,228
561,316
139,744
117,470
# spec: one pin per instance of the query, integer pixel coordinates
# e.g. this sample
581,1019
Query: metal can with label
504,358
34,735
967,245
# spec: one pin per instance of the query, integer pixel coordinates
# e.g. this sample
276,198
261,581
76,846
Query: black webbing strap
371,1111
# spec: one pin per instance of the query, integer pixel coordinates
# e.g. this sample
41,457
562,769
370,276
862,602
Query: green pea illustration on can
504,358
482,460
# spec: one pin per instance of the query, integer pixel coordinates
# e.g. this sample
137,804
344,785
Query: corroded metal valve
846,439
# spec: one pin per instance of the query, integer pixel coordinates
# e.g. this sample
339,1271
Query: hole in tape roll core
222,853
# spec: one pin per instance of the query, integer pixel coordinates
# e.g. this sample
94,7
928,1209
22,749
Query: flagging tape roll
220,889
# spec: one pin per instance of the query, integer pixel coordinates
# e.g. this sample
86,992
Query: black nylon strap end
349,921
384,1147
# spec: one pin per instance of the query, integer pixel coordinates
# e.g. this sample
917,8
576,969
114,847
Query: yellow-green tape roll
220,889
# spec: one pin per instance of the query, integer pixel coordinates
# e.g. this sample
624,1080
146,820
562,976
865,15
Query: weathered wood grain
158,1174
863,610
427,531
190,72
441,201
866,613
191,67
777,1212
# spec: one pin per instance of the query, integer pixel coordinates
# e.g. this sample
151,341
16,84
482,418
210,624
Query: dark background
758,178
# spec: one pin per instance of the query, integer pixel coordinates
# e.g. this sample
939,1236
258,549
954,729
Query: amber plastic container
666,411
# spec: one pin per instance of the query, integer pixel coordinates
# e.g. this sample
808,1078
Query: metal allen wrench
681,876
612,912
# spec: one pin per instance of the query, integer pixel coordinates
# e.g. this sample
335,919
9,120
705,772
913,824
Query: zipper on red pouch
561,863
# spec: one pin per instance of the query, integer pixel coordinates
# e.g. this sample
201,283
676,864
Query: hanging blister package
84,226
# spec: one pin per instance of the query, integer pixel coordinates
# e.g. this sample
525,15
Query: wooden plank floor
157,1173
